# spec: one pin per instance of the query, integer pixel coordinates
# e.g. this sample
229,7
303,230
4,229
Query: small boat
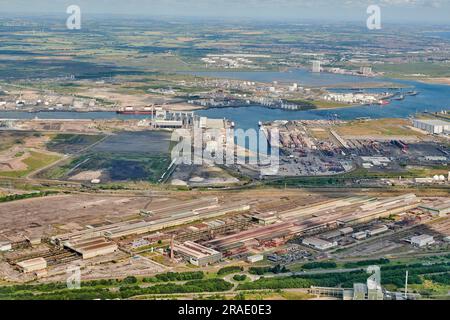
412,93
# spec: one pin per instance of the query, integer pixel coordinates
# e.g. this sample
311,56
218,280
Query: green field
35,162
408,69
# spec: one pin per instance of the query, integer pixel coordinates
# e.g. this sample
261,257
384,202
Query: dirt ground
82,126
202,176
183,107
57,211
87,175
12,159
378,128
122,99
135,100
437,80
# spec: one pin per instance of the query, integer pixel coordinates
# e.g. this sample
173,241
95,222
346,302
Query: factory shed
91,248
359,235
207,123
438,207
319,244
422,240
32,265
255,258
167,124
34,240
331,235
197,254
265,218
345,231
5,246
432,126
279,234
377,231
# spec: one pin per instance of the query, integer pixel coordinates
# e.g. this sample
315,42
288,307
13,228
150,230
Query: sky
401,11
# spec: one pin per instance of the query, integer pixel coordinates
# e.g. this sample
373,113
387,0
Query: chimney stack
171,247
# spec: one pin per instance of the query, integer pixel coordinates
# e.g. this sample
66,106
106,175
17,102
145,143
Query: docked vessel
412,93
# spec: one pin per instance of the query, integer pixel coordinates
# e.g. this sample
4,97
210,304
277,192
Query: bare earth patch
87,175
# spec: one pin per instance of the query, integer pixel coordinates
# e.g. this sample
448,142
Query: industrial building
345,231
34,240
166,119
167,124
93,247
360,235
172,221
380,208
439,207
5,246
377,231
331,235
432,126
319,244
197,254
362,291
317,66
436,158
160,216
375,161
32,265
422,241
311,219
255,258
365,70
369,291
265,218
207,123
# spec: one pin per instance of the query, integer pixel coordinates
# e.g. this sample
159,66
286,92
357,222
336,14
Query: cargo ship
132,111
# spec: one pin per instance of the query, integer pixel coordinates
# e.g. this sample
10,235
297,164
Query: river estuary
431,97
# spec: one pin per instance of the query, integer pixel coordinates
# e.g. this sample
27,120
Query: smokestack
406,285
171,247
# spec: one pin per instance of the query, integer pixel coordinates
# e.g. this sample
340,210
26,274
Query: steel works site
113,136
104,196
